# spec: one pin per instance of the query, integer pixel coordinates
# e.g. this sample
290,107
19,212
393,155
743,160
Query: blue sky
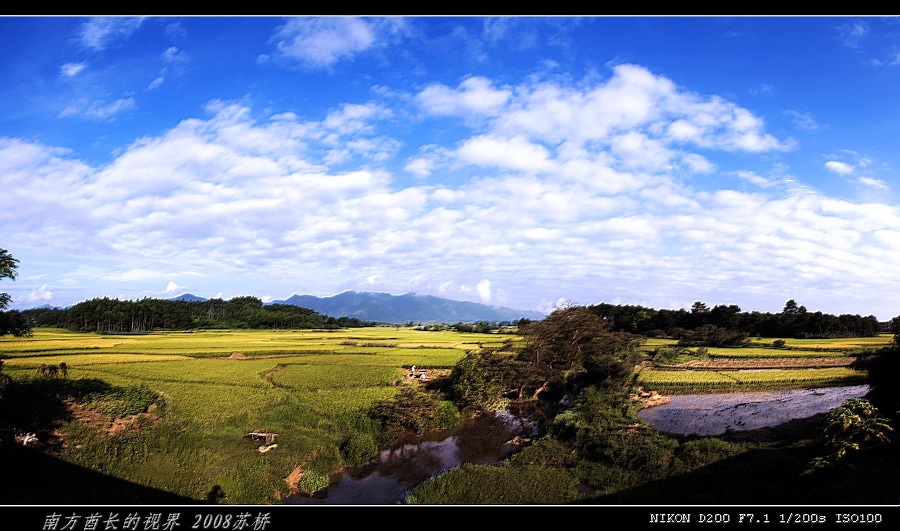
513,161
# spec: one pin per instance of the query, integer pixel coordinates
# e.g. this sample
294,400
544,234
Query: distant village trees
794,321
105,315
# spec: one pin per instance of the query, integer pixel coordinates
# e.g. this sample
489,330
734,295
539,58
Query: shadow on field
34,476
31,477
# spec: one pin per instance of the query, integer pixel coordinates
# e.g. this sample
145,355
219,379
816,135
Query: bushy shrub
359,449
312,482
477,381
854,426
414,411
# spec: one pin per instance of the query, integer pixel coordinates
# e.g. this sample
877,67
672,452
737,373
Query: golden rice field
842,343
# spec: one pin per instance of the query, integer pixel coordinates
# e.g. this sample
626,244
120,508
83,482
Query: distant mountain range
409,307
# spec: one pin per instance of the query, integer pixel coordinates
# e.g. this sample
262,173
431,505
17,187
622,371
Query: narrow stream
482,440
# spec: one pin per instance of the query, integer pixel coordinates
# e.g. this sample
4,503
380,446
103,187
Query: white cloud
71,69
155,83
40,294
484,290
321,42
802,121
891,58
509,153
841,168
874,183
172,288
851,34
474,94
698,163
99,110
420,167
173,55
758,180
98,33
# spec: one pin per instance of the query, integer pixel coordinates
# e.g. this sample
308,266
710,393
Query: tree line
794,321
106,315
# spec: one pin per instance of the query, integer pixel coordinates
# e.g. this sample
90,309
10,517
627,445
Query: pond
714,414
485,439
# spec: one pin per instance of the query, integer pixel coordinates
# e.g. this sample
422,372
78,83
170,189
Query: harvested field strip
757,352
652,379
724,364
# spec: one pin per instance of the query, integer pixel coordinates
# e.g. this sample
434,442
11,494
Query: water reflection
479,441
714,414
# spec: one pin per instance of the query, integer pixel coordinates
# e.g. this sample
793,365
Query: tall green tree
11,322
574,339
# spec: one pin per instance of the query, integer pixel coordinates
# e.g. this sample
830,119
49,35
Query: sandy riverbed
716,413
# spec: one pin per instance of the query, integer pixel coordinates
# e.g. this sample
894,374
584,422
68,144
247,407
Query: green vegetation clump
312,482
853,427
482,484
413,411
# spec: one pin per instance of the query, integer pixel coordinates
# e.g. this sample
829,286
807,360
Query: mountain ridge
408,307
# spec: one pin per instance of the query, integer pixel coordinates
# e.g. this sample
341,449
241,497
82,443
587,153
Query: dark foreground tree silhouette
11,322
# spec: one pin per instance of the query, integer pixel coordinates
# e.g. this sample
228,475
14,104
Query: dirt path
715,413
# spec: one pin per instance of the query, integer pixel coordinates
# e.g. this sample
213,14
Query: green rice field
311,387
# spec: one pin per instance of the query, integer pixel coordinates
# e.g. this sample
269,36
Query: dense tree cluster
793,321
107,315
569,349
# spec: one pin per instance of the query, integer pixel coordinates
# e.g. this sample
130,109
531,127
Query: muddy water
482,440
714,414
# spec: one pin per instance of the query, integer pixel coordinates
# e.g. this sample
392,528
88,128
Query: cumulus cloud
98,33
321,42
841,168
484,290
39,294
514,153
474,94
420,167
172,288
